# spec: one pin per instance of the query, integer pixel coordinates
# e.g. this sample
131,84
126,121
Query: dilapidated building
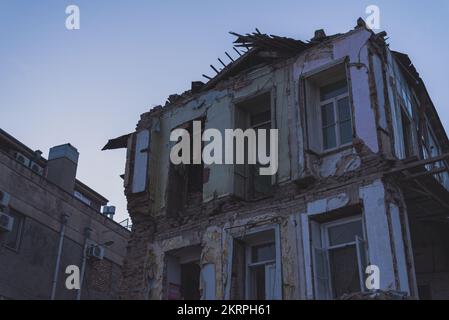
362,179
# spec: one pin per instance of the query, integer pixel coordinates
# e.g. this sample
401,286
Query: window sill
332,151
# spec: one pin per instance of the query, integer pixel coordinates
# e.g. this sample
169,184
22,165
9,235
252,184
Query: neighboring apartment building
56,222
362,179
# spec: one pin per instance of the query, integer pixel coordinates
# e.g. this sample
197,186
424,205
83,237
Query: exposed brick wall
135,282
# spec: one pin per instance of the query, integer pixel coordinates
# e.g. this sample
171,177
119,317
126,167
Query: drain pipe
65,218
87,233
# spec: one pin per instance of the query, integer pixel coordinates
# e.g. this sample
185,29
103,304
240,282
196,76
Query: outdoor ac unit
95,251
4,199
22,159
36,168
6,222
109,210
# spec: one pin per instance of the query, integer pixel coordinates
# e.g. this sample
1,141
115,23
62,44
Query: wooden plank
429,172
419,163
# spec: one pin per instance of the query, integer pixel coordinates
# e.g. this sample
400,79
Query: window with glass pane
344,255
345,233
333,90
12,239
336,117
328,122
263,253
344,271
344,120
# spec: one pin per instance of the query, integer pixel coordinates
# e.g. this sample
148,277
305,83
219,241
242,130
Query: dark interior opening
185,181
190,281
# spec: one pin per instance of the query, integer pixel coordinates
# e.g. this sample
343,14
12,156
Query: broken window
328,109
183,274
255,267
261,271
339,252
432,149
190,280
254,113
185,181
407,133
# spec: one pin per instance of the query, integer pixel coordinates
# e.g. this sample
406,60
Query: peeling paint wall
353,46
346,181
377,229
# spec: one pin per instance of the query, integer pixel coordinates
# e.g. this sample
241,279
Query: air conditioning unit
6,222
95,251
4,199
37,168
109,210
22,159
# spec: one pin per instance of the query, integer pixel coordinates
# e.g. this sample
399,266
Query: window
335,115
432,149
407,133
12,239
261,269
190,281
183,273
185,181
327,107
255,267
260,185
339,258
254,113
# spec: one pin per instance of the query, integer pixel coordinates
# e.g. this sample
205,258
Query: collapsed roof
260,49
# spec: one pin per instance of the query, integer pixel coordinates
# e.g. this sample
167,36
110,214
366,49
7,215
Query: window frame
248,241
325,245
250,181
250,265
240,107
337,121
310,83
15,213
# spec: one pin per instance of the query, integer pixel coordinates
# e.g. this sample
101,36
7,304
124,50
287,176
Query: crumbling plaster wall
354,46
283,82
217,105
215,244
175,117
386,232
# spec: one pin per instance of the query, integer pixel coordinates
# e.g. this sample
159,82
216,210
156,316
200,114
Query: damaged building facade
362,179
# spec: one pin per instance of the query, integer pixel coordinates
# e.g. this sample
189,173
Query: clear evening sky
86,86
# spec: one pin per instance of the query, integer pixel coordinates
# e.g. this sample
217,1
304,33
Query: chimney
61,166
320,35
197,86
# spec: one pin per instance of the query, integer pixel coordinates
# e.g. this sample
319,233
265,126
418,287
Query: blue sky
89,85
